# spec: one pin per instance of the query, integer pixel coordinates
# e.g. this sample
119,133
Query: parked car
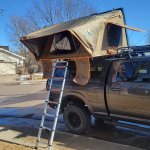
119,89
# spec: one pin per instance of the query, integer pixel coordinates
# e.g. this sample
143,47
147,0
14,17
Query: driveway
21,104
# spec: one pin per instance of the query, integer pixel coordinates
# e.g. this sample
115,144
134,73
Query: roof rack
133,51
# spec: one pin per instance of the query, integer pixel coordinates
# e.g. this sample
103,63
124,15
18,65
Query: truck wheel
77,119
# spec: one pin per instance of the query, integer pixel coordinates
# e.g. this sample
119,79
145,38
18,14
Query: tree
44,13
49,12
17,28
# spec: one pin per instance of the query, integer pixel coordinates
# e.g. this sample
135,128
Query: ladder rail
42,127
57,110
44,111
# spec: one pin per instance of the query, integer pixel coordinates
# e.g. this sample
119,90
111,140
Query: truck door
129,88
95,87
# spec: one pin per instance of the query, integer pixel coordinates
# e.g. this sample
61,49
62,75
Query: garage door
7,68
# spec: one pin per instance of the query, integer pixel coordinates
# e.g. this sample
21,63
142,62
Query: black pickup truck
119,89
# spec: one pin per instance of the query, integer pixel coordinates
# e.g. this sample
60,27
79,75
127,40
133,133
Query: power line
143,37
131,34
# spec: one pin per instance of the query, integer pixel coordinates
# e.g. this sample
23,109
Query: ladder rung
56,78
52,102
49,115
55,90
46,128
59,67
61,62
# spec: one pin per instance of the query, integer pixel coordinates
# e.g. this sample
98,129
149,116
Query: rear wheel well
73,100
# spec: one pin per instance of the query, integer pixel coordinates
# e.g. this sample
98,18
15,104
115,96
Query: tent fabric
79,39
47,68
82,71
89,32
127,27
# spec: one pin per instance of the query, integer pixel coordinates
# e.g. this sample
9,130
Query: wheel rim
74,119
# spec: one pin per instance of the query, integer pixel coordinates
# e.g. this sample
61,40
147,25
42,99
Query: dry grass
8,146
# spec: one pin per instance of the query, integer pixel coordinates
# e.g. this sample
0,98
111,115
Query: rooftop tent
86,36
89,36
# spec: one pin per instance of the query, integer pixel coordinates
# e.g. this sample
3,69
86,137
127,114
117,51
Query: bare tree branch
44,13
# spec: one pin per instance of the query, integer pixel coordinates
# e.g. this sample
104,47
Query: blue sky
11,8
137,15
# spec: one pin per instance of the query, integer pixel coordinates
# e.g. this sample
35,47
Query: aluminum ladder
48,101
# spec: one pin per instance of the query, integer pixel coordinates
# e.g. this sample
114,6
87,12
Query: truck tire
77,119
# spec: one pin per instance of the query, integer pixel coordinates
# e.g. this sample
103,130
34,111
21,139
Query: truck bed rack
133,51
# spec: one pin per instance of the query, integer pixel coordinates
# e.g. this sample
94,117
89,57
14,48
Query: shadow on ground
120,135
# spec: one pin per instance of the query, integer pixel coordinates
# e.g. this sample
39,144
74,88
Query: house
9,62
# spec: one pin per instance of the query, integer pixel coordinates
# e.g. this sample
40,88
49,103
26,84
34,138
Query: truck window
134,71
96,70
125,71
70,71
143,72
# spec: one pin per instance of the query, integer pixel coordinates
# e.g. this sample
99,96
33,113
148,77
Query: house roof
11,53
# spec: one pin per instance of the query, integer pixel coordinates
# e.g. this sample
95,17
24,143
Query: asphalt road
21,103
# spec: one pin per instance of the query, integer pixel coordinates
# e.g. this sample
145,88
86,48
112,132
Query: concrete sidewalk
63,141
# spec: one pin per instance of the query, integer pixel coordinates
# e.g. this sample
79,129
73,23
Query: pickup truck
119,89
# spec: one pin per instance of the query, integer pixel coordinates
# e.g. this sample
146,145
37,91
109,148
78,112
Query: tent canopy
86,36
